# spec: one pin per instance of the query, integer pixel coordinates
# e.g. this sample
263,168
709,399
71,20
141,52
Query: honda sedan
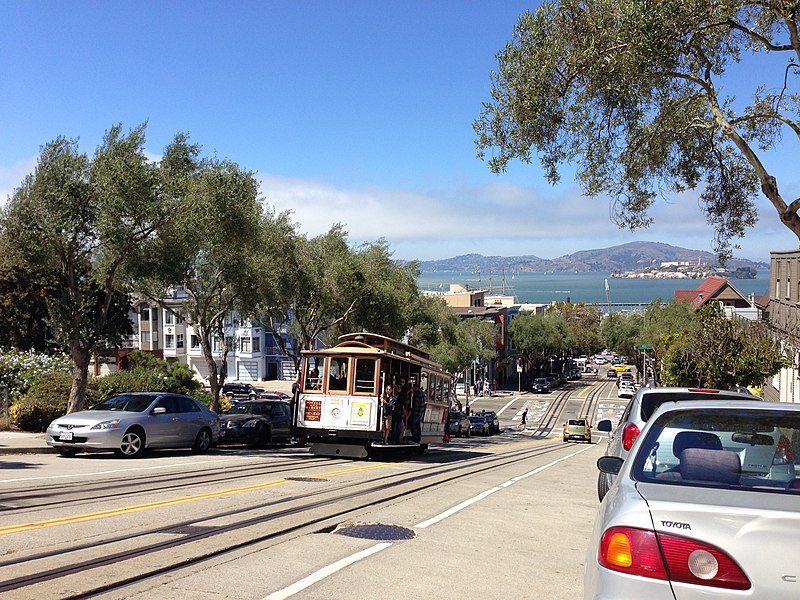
131,423
707,504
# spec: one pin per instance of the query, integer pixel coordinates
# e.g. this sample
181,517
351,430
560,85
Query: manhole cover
308,479
375,531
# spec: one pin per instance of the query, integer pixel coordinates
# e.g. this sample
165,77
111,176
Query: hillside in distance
625,257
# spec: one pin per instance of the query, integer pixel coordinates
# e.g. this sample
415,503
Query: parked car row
485,422
131,423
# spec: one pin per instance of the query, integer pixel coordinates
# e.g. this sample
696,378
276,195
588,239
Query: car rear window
652,400
579,422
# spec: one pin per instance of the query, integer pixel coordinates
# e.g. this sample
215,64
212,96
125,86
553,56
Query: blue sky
352,111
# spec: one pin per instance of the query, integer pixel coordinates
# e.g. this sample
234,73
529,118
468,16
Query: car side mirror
610,464
159,410
604,425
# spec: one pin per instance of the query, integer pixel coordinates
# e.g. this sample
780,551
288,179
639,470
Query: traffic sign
644,347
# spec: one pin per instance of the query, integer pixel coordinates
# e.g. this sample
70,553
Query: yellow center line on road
112,512
583,392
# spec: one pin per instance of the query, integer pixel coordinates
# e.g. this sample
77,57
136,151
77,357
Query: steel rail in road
318,509
64,494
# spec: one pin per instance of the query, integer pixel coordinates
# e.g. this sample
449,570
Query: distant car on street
492,420
240,391
577,429
626,389
478,424
540,386
459,424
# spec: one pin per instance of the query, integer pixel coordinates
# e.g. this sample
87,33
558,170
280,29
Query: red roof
703,293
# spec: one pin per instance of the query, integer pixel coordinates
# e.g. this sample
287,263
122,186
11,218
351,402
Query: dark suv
240,391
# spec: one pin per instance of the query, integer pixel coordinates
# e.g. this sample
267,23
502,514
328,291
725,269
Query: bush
20,369
137,380
46,400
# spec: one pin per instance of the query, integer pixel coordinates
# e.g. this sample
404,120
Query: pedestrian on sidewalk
524,417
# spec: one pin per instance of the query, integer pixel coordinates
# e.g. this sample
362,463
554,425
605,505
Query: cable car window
313,368
365,376
337,377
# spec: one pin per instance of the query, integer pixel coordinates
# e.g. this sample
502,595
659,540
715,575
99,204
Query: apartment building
783,314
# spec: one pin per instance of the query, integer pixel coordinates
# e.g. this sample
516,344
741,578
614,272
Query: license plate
65,436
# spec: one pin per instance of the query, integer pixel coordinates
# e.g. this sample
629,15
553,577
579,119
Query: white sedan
707,505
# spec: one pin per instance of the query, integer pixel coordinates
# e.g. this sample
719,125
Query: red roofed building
719,289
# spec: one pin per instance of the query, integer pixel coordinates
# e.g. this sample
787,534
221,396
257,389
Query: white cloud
498,219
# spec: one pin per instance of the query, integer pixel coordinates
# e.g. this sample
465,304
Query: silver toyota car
707,505
133,422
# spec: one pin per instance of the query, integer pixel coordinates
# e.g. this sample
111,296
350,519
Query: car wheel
263,437
67,451
133,444
203,440
301,441
602,486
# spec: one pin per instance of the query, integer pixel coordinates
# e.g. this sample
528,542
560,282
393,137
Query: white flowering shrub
19,369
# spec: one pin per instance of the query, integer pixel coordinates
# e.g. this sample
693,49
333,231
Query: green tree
583,324
717,352
208,252
464,341
541,337
324,287
621,331
638,95
82,222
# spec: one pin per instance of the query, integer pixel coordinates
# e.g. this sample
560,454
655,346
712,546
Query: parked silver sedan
130,423
706,505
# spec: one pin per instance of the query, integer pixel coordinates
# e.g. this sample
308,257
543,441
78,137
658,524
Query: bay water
589,288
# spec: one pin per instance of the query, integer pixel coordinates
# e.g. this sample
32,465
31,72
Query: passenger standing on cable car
387,404
417,411
401,391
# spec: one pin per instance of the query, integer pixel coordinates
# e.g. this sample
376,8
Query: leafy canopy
636,93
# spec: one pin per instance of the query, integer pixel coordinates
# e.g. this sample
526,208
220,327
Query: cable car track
320,508
144,483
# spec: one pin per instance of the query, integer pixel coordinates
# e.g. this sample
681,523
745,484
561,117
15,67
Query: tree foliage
638,95
541,337
207,255
583,324
325,287
717,352
79,223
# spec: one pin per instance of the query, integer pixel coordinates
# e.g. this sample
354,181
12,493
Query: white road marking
324,572
500,412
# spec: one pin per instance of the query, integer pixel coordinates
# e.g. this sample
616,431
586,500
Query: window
365,376
337,377
169,318
145,337
256,344
195,341
313,370
244,344
145,314
170,340
180,340
215,344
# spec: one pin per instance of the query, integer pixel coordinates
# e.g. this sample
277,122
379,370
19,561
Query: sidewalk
23,442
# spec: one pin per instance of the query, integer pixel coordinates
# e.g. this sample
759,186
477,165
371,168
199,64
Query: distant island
626,258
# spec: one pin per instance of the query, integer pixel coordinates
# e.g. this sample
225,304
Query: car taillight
689,561
636,552
629,435
632,551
